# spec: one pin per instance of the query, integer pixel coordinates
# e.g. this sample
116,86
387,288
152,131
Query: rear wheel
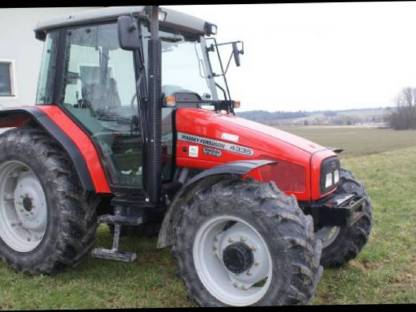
46,222
242,243
341,244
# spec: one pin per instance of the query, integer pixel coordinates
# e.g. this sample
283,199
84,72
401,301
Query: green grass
384,272
354,140
148,282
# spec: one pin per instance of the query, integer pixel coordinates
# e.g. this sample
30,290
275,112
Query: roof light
214,29
211,29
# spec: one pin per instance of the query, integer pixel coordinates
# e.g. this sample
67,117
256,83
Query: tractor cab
101,84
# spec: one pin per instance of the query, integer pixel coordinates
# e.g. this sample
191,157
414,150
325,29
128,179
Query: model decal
215,143
212,151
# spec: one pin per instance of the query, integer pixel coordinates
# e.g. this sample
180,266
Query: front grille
288,177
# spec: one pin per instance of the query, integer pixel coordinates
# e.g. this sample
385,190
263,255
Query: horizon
317,111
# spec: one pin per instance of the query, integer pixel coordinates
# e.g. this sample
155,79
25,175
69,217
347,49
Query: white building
20,52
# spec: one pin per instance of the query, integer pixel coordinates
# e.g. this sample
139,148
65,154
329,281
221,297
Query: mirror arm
222,89
228,64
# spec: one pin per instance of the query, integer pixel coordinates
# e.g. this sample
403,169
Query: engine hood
248,133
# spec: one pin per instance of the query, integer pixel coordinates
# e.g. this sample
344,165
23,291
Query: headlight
328,180
336,176
329,174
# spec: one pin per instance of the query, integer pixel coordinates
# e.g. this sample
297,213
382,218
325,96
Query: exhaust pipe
153,155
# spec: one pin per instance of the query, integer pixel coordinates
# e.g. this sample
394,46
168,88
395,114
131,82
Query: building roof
182,21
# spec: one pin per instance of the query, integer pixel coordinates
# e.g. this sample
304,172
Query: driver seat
102,97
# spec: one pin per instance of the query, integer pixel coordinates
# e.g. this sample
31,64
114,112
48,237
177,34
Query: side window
6,78
45,90
100,74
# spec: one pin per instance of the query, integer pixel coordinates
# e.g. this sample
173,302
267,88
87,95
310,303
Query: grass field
354,140
385,271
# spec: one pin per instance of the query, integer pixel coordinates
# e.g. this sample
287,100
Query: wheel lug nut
230,240
248,273
253,248
235,285
243,239
256,264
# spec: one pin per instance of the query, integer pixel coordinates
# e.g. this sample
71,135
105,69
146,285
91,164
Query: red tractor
134,127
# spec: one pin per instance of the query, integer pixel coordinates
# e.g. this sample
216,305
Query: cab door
99,92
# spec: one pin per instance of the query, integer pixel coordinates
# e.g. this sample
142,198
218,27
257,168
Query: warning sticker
193,151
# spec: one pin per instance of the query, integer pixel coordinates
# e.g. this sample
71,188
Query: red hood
271,133
252,134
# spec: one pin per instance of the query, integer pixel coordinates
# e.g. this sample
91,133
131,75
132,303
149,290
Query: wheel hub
238,257
23,207
328,234
232,260
27,203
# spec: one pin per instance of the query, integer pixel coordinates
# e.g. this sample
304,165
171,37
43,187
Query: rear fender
23,116
203,180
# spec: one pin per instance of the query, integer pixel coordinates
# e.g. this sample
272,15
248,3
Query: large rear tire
341,244
48,222
242,243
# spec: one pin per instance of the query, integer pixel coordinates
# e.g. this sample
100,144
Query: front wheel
242,243
341,244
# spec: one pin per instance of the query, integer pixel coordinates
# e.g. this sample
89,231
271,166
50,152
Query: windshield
184,65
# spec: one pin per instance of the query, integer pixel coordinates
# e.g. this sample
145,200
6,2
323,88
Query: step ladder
118,220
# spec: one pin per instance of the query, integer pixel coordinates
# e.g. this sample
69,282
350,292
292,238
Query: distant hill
364,116
260,115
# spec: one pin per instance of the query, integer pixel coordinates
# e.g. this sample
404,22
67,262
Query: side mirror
128,33
237,52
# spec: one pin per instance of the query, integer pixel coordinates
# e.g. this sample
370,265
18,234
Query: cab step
118,220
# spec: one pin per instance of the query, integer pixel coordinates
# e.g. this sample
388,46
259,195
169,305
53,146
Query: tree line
404,115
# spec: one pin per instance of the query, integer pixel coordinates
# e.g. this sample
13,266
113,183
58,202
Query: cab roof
174,19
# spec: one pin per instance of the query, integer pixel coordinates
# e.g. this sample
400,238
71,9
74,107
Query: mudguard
22,116
201,181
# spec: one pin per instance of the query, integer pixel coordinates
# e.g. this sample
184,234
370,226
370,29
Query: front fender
201,181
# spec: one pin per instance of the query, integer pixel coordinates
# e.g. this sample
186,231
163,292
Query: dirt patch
365,265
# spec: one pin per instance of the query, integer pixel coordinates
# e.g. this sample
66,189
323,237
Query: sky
317,56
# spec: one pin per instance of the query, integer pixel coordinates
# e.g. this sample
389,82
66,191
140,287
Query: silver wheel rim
327,235
23,207
241,289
